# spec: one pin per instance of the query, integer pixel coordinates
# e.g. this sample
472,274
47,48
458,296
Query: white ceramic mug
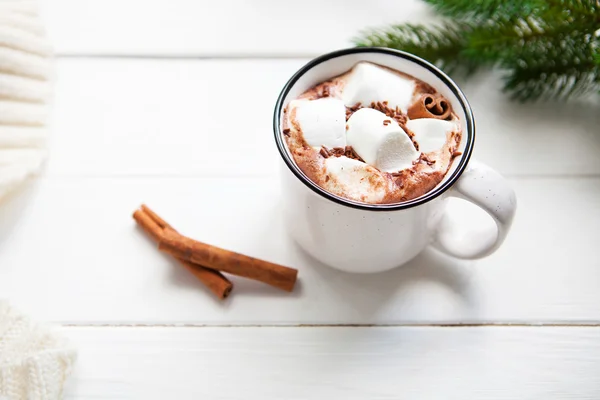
358,237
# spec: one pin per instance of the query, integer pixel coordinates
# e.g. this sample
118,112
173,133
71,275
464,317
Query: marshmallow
368,83
355,179
322,121
430,133
386,147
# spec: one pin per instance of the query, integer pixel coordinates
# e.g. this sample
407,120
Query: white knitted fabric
34,362
25,72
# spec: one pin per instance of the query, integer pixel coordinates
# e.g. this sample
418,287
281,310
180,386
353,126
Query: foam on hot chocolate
351,135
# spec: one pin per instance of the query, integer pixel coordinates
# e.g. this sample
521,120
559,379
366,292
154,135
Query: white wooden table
143,113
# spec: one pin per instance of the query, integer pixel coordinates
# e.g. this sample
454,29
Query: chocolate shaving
350,153
430,106
410,133
356,107
456,153
347,151
338,151
386,122
352,109
324,152
400,119
395,114
286,131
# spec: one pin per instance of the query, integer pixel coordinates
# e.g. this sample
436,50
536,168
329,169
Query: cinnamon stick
161,222
148,225
430,106
219,259
155,227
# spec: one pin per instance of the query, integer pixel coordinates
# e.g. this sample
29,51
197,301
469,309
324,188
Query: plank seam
458,325
150,56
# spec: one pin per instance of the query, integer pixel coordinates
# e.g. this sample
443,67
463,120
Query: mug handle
487,189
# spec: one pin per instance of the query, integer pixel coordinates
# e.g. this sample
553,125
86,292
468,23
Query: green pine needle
485,9
548,49
442,45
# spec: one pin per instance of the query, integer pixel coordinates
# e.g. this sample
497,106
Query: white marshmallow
355,179
368,83
386,147
322,121
430,133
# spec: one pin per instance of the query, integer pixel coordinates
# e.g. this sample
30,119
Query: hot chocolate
373,135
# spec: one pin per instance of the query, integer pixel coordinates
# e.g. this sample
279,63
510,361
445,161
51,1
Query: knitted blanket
34,362
25,88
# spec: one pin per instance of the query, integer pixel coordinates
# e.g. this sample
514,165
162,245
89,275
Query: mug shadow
368,294
362,296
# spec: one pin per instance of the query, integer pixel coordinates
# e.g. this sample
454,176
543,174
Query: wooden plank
70,252
485,363
213,118
209,28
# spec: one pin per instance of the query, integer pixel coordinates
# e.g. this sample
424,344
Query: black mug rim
291,164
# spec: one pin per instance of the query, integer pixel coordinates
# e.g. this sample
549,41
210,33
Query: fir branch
558,81
441,45
560,66
486,9
544,62
548,49
589,9
482,10
523,35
